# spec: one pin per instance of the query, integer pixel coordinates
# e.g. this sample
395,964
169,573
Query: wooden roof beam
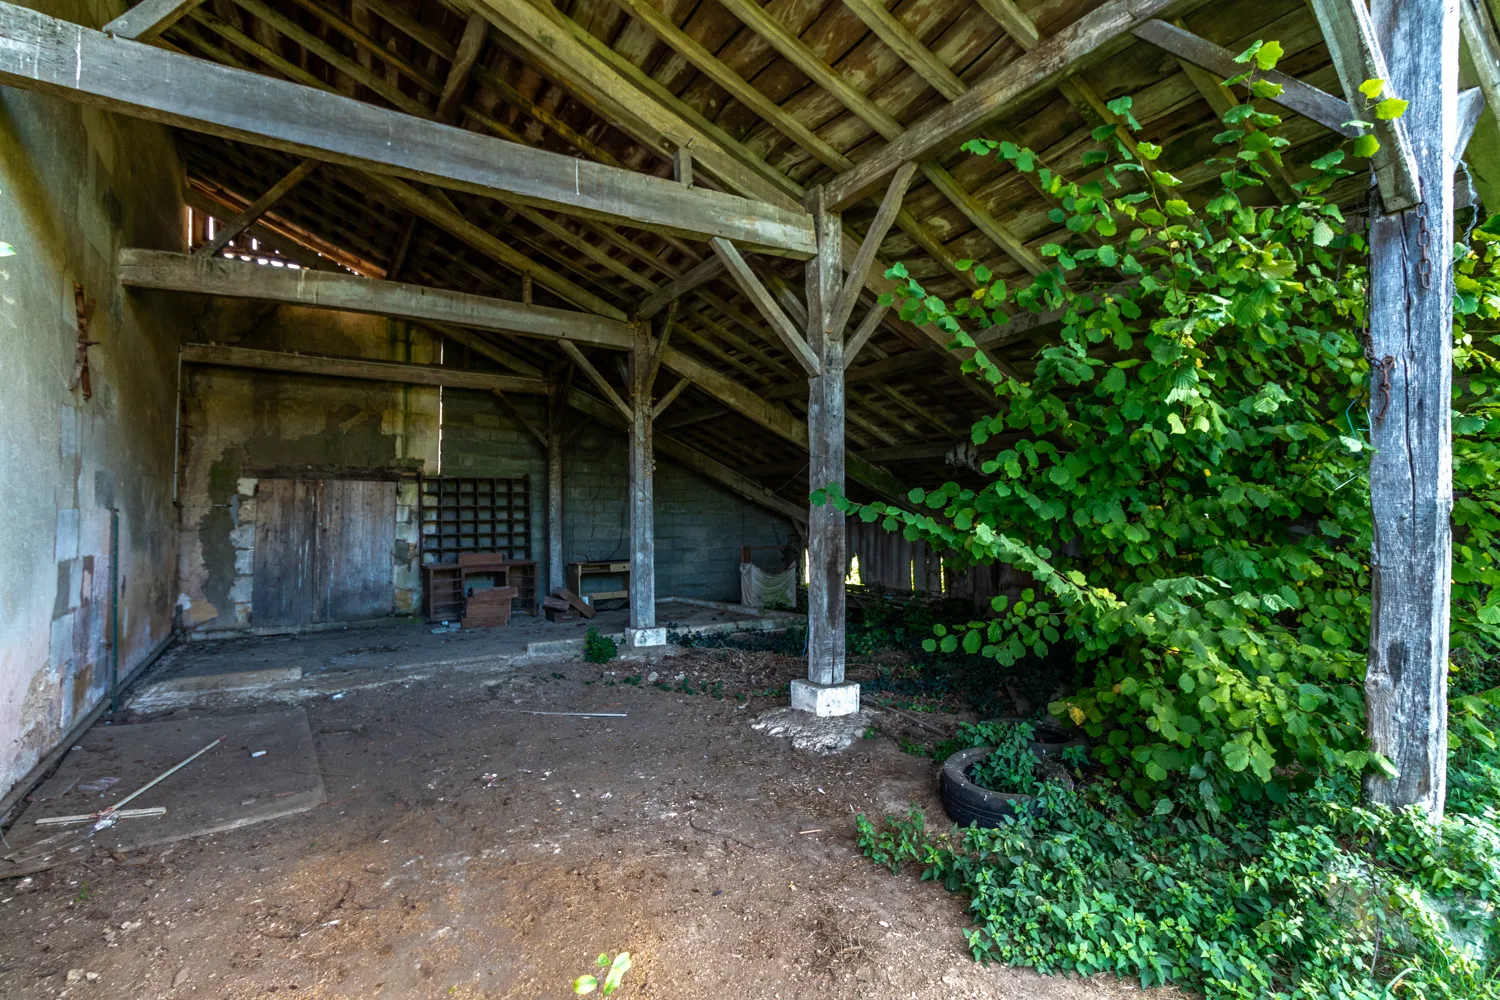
257,208
402,373
1096,35
76,63
147,20
242,280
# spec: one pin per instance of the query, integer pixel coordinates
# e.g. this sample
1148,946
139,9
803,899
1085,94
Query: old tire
965,802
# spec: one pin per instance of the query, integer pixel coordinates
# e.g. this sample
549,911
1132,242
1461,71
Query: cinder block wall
76,185
700,526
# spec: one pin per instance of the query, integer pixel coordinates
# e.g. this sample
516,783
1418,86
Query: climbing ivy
1184,470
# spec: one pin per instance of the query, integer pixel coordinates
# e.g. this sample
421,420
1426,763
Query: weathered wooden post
642,630
1411,474
557,407
825,692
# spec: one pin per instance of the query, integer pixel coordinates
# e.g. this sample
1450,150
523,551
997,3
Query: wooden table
578,570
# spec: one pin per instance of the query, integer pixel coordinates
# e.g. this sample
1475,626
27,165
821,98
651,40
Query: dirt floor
468,849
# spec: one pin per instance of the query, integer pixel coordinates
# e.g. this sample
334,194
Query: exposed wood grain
1411,473
76,63
1479,36
244,280
863,332
669,397
469,47
827,564
1358,56
859,269
147,20
766,304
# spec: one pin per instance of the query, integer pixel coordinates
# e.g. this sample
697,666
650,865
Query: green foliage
1182,473
1011,765
598,648
1319,897
612,979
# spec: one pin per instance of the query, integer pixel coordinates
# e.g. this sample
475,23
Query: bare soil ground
470,850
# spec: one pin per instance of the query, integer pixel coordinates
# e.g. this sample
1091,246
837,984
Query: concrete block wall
77,184
700,526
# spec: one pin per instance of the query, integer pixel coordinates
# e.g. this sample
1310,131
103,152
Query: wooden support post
642,630
557,408
826,564
1411,474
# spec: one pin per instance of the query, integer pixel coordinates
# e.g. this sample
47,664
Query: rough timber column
1411,475
825,692
557,407
642,630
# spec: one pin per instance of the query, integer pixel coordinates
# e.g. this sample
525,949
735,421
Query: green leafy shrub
1317,897
1182,472
1011,765
598,648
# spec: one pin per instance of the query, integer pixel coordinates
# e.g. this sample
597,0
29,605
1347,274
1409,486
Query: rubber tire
965,802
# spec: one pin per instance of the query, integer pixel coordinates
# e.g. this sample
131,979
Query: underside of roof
793,94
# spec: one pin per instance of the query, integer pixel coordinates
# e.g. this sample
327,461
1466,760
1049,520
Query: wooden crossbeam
669,397
229,230
862,333
596,377
1471,105
148,19
673,290
1099,33
244,280
403,373
282,243
76,63
890,206
1350,34
756,292
1322,107
469,47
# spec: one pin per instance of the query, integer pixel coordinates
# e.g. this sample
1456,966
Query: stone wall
700,526
240,426
75,185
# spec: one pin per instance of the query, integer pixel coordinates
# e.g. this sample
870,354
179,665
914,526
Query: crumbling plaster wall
239,424
700,526
75,185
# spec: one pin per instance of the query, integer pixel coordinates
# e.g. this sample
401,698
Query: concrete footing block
824,700
637,638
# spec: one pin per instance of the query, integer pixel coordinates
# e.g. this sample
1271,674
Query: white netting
762,589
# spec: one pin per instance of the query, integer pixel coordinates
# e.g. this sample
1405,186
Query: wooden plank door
285,552
323,551
356,539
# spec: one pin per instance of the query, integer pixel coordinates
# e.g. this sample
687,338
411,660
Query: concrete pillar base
825,700
636,638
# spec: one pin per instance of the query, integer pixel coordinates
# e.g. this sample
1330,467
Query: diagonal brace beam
765,302
572,351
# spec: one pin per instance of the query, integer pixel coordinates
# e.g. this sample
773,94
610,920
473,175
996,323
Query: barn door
322,550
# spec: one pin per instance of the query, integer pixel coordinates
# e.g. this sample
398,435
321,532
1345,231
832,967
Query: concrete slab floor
471,850
264,768
402,642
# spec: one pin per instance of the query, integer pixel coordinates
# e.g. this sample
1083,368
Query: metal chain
1424,244
1386,365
